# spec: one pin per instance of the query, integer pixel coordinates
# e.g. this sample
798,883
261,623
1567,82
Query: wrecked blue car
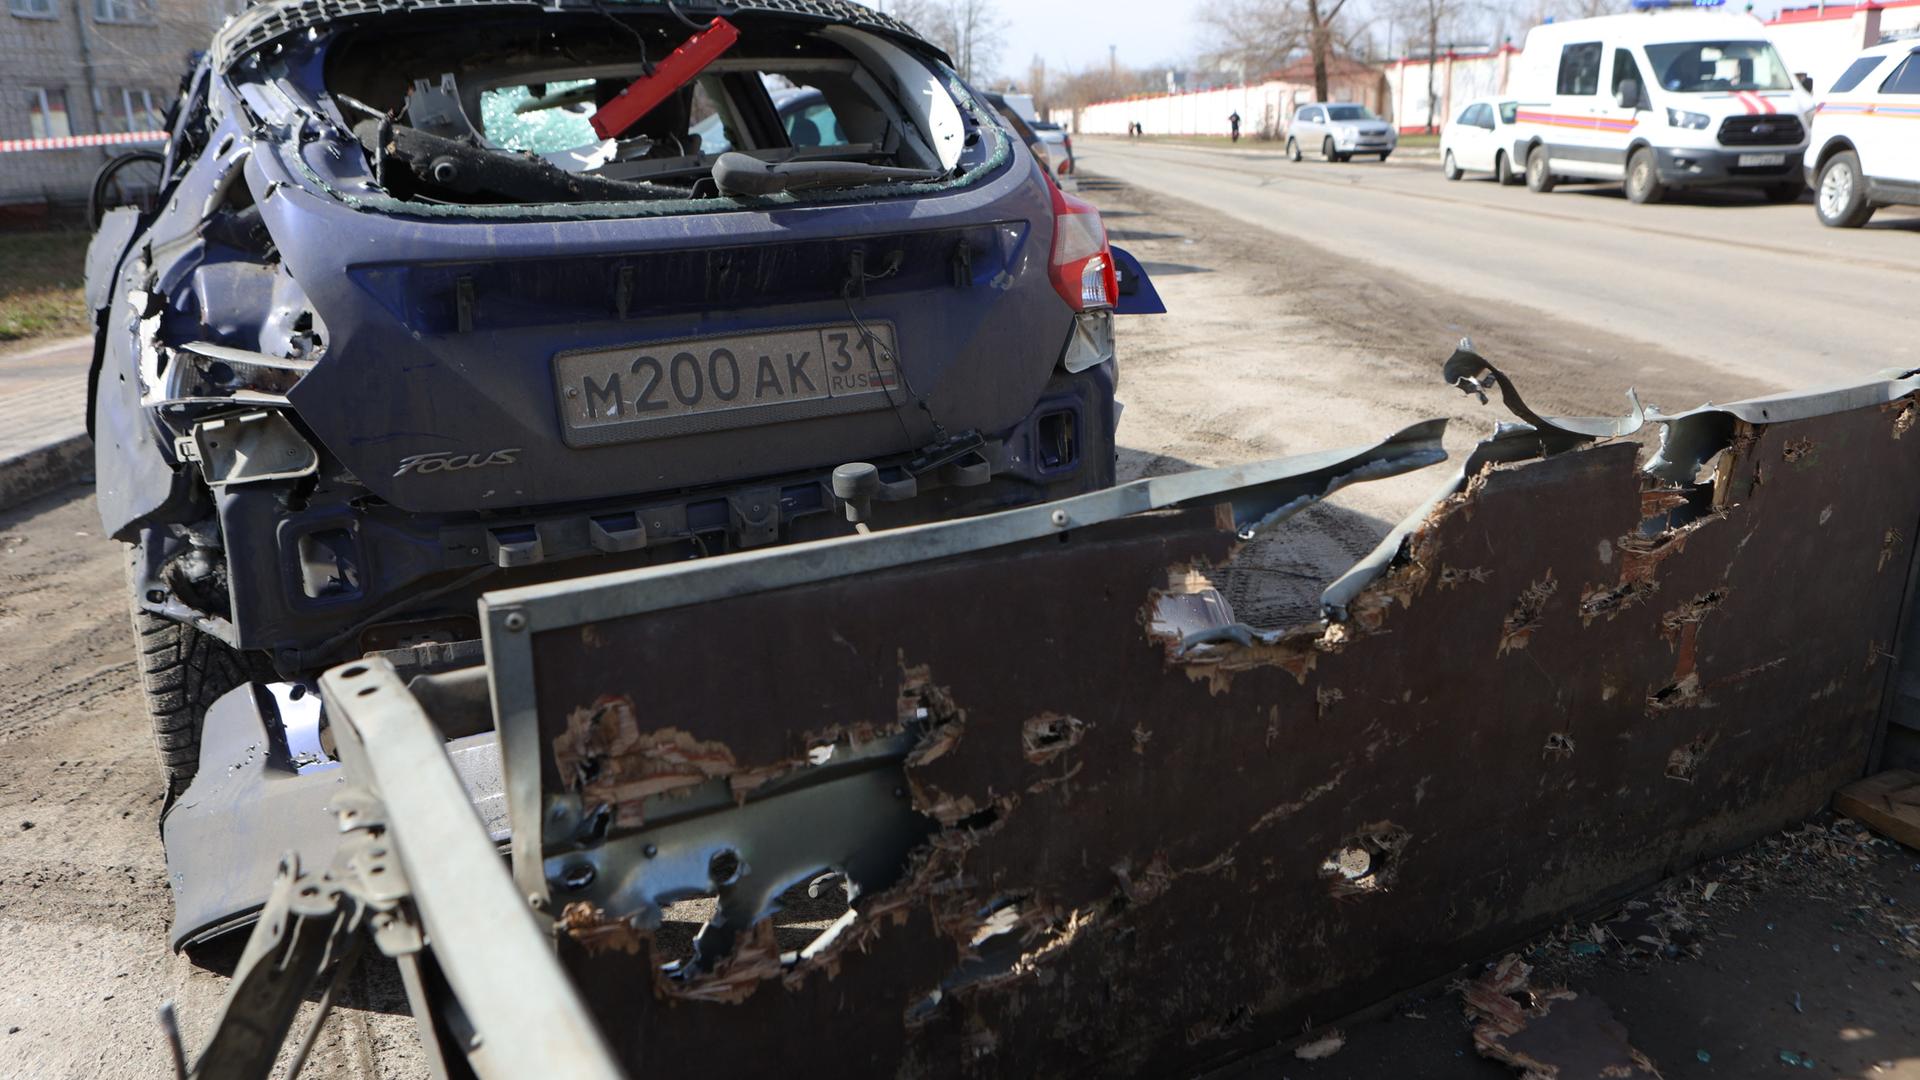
444,296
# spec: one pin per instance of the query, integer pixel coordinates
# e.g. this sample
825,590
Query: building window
123,11
47,114
123,110
33,9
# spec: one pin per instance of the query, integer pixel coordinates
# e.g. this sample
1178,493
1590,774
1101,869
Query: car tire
1503,169
1326,149
183,671
1840,198
1385,154
1539,174
1293,149
1642,182
1449,168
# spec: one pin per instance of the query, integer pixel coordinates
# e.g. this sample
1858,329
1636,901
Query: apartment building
87,68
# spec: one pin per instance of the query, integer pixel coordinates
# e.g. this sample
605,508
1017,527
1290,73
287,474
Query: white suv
1862,156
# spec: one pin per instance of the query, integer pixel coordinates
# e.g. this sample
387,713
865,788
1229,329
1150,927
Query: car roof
1653,28
1899,47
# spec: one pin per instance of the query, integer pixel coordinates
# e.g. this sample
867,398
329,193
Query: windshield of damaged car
1350,112
1697,67
805,116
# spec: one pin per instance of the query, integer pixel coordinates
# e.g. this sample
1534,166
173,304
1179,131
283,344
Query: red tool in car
644,93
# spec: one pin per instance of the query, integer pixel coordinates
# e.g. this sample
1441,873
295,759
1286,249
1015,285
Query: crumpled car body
407,326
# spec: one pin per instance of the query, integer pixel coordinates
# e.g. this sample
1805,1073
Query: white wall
1825,47
1263,105
1472,76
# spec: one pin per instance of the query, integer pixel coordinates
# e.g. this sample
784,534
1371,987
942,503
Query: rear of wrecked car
410,326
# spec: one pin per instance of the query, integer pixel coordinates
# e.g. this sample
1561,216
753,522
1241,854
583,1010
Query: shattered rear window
543,118
638,109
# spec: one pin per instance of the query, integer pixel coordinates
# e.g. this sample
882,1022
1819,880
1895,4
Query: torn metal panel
1108,794
263,791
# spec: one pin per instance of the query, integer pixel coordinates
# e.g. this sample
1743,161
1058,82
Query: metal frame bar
494,951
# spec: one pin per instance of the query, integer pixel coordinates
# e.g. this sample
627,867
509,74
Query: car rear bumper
344,578
1699,167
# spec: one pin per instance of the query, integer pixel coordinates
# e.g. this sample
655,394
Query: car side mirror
1627,94
1806,81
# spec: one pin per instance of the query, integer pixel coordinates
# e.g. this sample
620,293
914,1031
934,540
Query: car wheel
183,671
1326,149
1539,178
1643,179
1448,167
1787,192
1503,169
1293,149
1841,200
1384,154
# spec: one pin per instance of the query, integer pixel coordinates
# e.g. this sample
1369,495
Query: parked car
1018,123
442,296
1059,145
1863,156
1480,139
1339,131
1659,101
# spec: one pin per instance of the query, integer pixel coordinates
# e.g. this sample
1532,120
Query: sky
1074,34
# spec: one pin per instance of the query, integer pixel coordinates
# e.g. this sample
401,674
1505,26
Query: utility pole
1113,59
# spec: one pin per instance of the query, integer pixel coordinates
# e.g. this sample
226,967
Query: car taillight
1083,272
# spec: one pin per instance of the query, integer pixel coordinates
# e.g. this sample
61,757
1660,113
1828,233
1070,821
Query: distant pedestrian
1234,122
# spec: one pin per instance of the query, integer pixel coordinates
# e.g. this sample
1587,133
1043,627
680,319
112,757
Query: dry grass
40,277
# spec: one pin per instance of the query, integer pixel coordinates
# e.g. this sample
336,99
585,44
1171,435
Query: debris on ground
1325,1046
1829,860
1548,1033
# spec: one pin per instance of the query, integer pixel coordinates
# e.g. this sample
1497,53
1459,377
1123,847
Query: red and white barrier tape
76,142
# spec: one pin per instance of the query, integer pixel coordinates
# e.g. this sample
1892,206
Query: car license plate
1762,159
691,385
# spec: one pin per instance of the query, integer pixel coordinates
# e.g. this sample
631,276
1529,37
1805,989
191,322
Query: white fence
1457,78
1263,107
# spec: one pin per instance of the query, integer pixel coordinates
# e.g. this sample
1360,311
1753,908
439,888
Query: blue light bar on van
1659,5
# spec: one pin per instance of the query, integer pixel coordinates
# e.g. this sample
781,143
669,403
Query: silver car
1339,131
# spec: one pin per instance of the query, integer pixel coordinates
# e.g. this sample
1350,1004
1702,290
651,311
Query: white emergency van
1660,100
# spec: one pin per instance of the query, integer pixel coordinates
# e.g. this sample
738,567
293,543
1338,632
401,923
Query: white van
1660,100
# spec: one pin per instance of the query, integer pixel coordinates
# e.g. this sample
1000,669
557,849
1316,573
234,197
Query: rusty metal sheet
1133,847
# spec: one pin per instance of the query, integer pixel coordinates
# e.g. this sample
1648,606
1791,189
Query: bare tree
1257,36
1431,19
971,31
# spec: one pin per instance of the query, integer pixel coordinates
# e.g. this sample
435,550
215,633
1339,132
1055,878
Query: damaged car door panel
1647,663
406,325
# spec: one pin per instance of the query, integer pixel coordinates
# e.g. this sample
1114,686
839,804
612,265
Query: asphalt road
1751,289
